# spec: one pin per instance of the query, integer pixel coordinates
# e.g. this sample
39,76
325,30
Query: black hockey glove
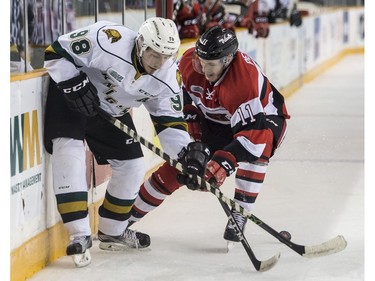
193,159
295,17
80,94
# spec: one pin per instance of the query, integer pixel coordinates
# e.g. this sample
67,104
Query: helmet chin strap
140,50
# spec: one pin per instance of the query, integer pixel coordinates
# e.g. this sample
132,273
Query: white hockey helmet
160,34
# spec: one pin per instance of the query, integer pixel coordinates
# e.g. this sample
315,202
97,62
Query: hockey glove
80,94
192,116
221,166
260,25
193,159
295,17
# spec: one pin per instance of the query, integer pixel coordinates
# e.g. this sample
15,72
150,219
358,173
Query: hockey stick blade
330,247
259,265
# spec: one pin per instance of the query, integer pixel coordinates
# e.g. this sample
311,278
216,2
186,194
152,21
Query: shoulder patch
178,77
112,34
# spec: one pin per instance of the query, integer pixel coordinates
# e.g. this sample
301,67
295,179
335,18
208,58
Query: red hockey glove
260,25
221,166
192,116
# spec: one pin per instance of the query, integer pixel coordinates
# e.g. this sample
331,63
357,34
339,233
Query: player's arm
171,128
168,120
59,63
63,60
74,50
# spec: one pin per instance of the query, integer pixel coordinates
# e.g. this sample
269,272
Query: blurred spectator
45,24
212,14
17,35
186,18
195,17
49,26
254,16
281,10
49,22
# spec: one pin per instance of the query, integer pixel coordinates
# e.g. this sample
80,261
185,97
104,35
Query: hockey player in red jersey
236,111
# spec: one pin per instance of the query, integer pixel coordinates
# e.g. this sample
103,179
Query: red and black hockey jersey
243,98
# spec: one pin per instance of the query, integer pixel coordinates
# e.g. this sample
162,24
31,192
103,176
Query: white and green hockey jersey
106,52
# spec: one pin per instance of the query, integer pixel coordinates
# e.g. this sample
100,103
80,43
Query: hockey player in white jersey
109,66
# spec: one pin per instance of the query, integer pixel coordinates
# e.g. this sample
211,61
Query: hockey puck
286,234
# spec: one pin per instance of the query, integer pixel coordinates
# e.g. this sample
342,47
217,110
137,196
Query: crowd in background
46,20
193,17
44,23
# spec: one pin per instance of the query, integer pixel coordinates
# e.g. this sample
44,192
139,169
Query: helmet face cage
162,36
216,43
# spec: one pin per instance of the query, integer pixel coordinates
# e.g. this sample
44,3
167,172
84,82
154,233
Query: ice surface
314,188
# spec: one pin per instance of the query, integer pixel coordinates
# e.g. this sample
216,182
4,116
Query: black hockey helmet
216,43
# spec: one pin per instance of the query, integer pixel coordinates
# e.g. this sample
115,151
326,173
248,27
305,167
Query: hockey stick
259,265
334,245
244,242
331,246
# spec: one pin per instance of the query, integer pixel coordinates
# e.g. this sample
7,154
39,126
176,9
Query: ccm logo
228,167
77,87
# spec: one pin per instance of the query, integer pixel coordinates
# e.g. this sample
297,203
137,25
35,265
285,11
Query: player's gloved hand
221,166
295,17
192,116
80,94
260,25
193,159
